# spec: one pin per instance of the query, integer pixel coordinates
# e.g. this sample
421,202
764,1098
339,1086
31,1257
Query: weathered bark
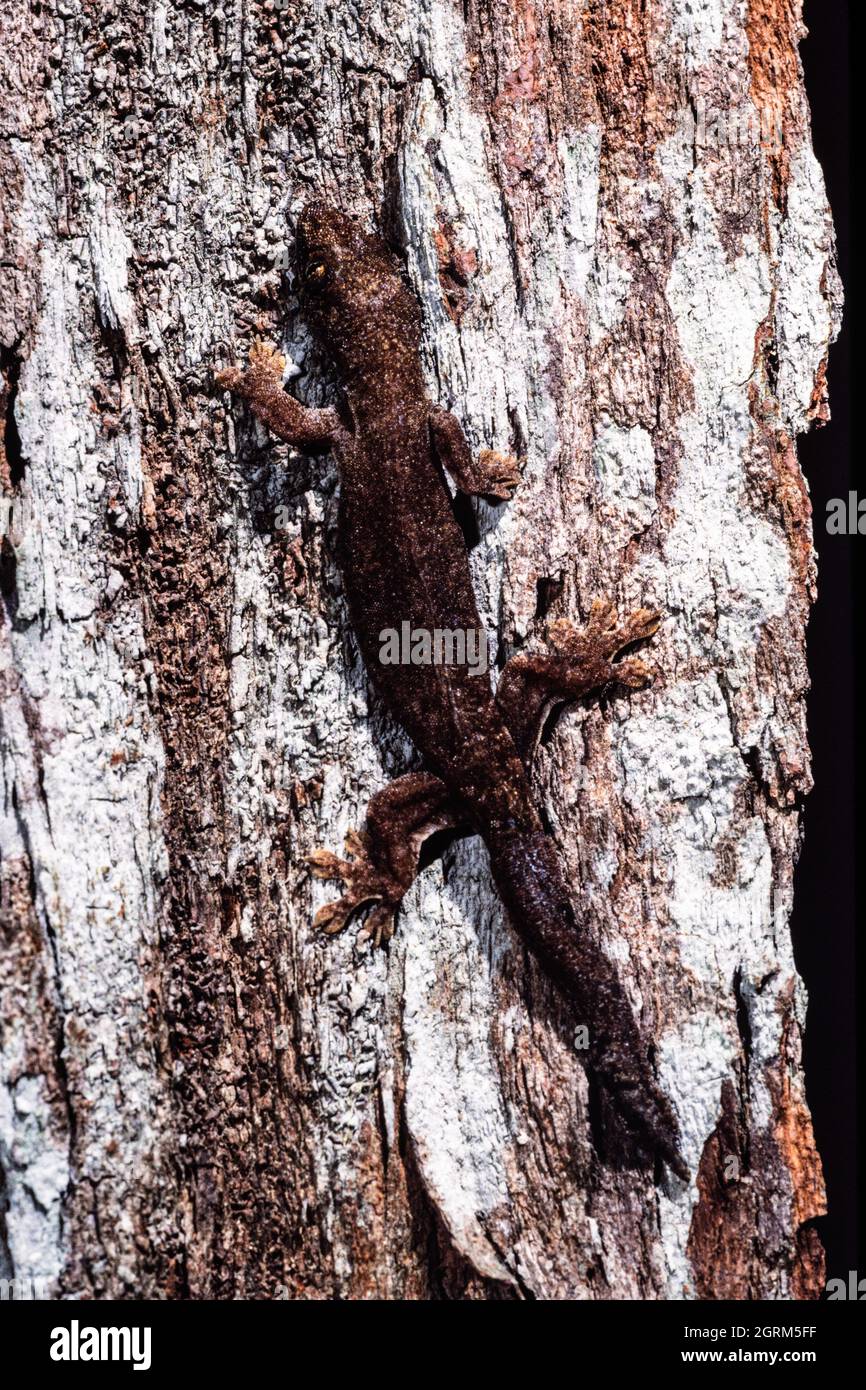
630,285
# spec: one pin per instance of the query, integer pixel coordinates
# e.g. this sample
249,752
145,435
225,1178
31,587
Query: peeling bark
619,234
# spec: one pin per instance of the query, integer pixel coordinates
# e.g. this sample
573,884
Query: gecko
403,556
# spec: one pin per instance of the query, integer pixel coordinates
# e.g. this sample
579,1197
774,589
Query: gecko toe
379,925
501,474
632,673
334,917
639,625
365,884
266,357
602,616
228,379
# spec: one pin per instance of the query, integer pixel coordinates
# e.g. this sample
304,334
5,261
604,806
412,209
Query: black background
826,894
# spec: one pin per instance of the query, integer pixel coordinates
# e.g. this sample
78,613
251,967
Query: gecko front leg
491,474
261,387
578,662
384,860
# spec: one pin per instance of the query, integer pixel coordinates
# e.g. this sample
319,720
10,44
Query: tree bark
618,230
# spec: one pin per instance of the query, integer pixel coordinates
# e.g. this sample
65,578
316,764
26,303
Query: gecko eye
316,275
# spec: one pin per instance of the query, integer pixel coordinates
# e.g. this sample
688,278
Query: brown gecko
403,558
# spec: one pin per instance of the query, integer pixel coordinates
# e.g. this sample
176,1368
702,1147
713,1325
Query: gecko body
403,558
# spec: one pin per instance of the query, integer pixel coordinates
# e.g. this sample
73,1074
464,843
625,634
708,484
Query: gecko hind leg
384,860
577,662
488,474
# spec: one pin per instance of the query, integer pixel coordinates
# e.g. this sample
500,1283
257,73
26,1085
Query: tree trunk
615,222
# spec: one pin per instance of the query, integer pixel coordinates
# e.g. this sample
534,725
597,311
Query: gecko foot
577,662
594,649
263,356
365,883
266,357
500,474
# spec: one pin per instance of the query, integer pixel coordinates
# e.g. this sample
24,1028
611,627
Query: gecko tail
527,872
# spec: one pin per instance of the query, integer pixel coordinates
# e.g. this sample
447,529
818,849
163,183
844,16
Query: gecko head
352,290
